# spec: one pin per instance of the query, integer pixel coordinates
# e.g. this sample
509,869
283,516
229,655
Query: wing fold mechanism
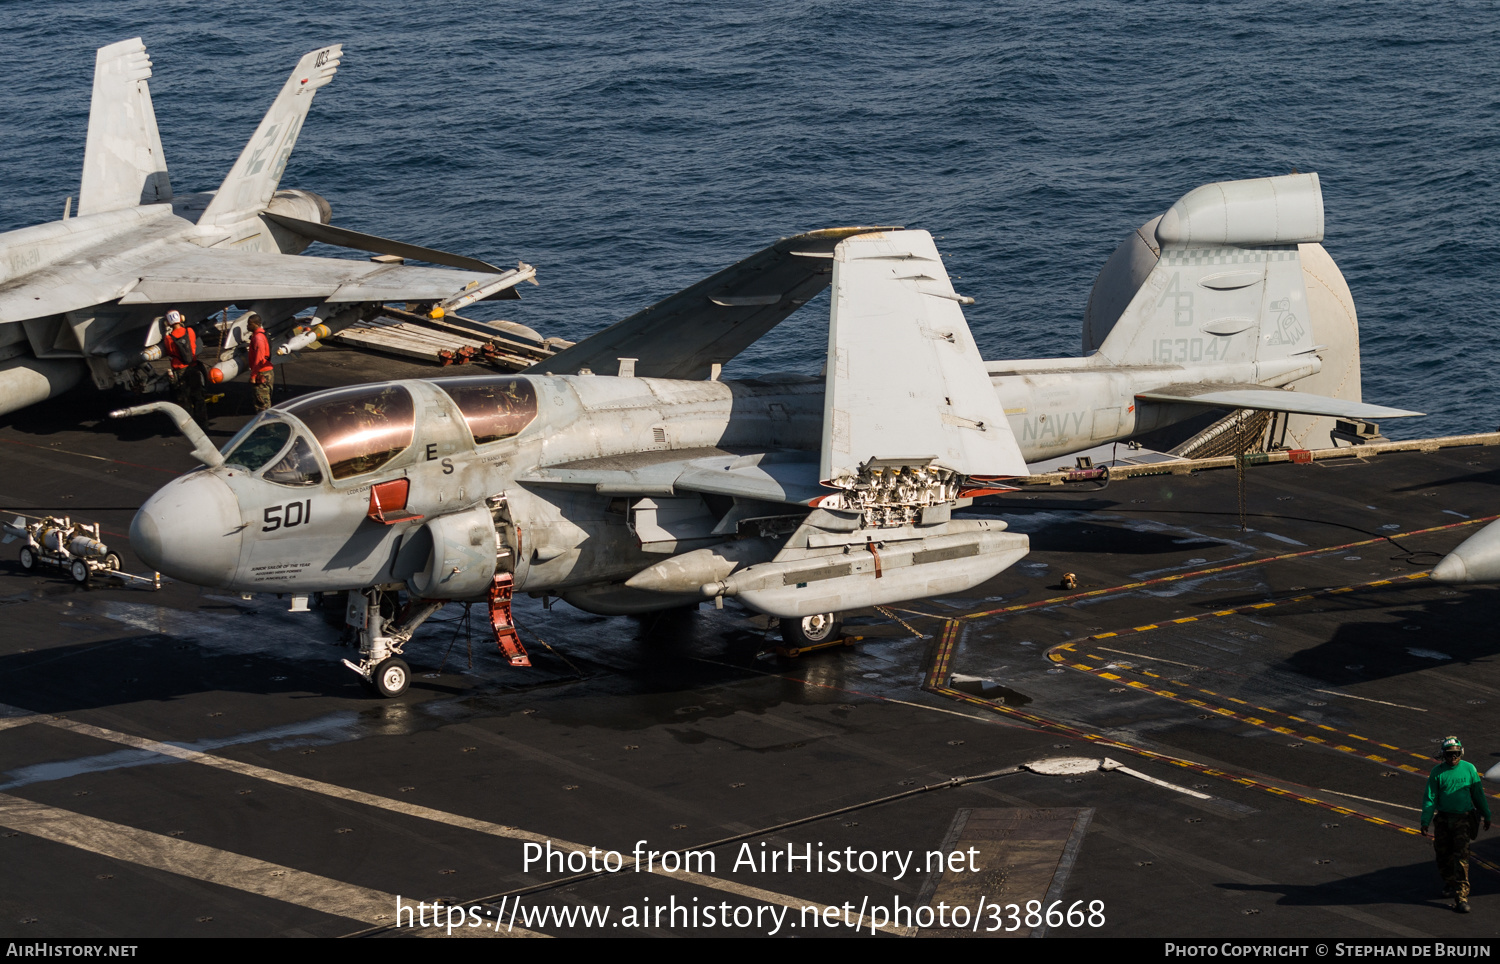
911,425
910,416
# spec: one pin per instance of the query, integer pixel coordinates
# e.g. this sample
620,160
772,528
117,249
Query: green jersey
1454,789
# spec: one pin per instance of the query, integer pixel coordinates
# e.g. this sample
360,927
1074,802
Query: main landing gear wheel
80,571
811,630
28,559
391,677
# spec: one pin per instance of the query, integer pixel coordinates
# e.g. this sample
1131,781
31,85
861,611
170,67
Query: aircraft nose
1451,569
1476,560
190,530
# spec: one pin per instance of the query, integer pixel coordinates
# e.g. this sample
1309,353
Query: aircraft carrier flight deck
1222,730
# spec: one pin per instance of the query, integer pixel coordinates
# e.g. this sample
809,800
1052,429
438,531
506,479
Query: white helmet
174,317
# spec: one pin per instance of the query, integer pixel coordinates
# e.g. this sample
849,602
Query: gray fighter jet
627,477
85,295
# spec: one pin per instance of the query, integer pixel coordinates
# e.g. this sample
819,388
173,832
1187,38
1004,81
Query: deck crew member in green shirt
1455,800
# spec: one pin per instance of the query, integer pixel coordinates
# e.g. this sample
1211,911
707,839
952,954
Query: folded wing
709,323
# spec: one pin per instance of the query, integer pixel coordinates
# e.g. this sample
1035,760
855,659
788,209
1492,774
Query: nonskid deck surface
192,763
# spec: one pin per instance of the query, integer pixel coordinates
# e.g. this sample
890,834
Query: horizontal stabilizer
906,382
709,323
344,238
123,165
1274,400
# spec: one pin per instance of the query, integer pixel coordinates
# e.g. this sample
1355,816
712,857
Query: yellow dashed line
938,670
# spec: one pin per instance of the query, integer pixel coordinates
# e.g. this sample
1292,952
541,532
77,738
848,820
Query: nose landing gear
381,638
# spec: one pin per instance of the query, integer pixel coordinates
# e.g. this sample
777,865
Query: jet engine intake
461,556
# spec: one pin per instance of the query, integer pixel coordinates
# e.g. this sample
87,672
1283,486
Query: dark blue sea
627,149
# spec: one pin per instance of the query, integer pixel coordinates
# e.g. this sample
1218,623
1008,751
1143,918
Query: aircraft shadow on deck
1455,630
1098,537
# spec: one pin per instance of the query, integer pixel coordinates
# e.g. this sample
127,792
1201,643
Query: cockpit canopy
361,428
259,448
494,407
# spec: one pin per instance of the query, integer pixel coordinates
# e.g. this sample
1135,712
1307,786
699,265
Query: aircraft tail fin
252,181
909,401
1233,272
123,164
1226,285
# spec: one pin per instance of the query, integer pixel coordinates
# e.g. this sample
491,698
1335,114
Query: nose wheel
391,677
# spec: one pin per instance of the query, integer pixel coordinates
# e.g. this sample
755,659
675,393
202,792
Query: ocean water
628,149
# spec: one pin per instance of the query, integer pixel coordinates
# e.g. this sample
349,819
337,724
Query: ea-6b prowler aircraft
86,294
661,485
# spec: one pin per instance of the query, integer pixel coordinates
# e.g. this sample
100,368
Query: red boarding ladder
501,622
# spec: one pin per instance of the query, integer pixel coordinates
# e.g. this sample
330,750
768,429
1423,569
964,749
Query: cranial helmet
1452,744
174,317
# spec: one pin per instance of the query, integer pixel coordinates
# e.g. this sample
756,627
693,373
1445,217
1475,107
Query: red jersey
182,347
260,352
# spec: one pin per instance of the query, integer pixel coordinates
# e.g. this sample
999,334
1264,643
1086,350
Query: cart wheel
28,559
811,630
112,562
391,677
80,570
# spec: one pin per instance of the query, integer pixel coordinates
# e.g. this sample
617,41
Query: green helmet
1452,744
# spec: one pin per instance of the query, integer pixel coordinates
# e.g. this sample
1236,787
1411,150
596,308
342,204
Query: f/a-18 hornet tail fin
253,179
123,164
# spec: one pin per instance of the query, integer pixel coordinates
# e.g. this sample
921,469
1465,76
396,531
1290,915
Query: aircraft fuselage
240,530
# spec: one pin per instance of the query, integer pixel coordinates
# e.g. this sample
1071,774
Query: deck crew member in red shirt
181,346
261,373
